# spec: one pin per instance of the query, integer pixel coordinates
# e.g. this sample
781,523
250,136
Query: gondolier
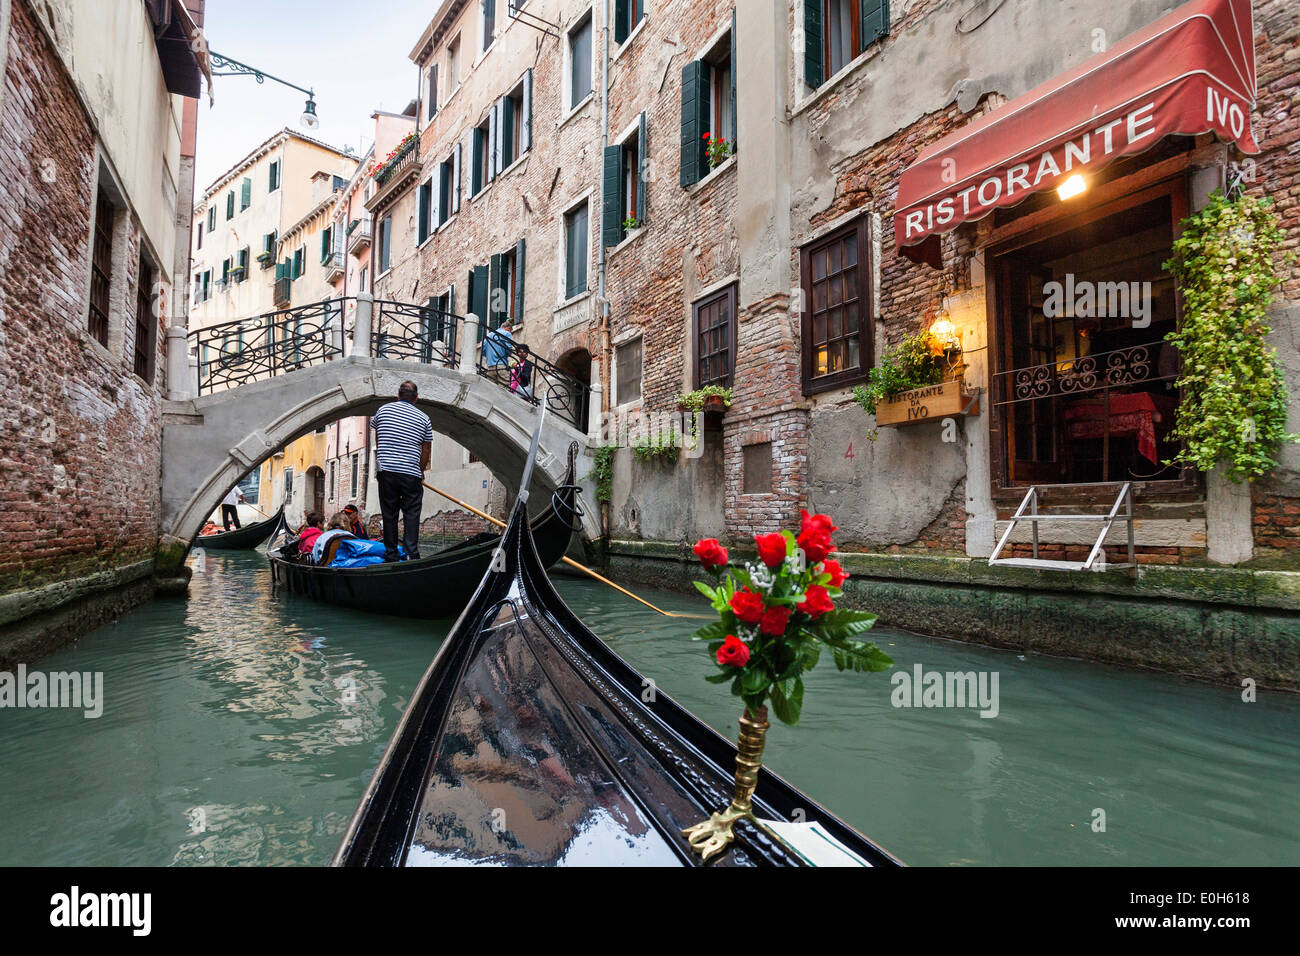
403,440
229,509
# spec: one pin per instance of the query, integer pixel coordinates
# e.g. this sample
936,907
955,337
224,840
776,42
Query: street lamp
308,118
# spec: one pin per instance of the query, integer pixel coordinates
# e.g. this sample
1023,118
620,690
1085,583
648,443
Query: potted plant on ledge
712,400
912,384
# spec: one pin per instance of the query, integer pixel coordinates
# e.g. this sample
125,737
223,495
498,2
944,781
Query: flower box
930,403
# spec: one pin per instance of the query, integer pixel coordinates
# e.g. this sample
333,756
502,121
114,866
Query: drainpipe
606,345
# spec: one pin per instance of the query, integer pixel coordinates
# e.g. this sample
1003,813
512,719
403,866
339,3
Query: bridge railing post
363,325
180,384
469,346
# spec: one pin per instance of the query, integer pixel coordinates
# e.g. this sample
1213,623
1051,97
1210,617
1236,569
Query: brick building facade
88,244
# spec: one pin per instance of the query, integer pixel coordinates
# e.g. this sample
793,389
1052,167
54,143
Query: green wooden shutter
875,21
495,309
814,68
519,281
507,131
455,178
733,81
433,91
526,126
451,298
621,26
640,170
476,174
611,213
423,197
243,261
478,297
245,193
494,141
695,121
230,204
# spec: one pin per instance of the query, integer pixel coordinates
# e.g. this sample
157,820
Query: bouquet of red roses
776,616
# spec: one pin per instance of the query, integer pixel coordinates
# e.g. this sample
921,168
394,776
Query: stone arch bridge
254,385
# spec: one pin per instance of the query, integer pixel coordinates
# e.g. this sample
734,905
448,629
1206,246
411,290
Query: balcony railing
334,265
404,158
358,235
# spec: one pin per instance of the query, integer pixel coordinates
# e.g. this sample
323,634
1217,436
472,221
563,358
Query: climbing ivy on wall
1234,406
603,472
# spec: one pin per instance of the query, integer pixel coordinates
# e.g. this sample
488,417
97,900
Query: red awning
1192,71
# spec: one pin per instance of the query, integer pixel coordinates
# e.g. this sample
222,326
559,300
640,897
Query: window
447,193
101,267
334,483
327,244
453,63
241,264
627,14
431,110
356,471
488,21
212,219
299,262
627,372
425,211
575,251
288,485
708,106
715,338
146,329
268,243
199,243
1083,381
837,31
273,176
580,62
836,286
516,121
230,205
624,186
365,275
483,149
385,240
506,285
245,194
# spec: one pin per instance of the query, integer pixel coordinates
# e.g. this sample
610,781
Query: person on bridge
403,440
498,350
229,511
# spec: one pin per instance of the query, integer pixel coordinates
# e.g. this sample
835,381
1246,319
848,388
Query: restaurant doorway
1084,387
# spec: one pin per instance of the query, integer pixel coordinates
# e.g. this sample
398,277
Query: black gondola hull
249,536
430,588
530,742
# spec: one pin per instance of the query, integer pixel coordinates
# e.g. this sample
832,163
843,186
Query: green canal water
239,727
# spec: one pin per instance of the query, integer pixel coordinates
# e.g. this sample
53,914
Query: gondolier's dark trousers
229,514
404,495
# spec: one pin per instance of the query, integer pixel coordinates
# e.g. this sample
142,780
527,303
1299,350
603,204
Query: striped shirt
400,430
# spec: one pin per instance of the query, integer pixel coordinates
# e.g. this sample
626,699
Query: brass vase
713,835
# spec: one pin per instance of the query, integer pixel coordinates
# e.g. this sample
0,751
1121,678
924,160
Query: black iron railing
416,333
246,350
532,378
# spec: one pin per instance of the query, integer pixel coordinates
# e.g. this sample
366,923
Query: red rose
815,536
816,602
837,573
747,605
771,549
705,136
711,554
733,652
774,620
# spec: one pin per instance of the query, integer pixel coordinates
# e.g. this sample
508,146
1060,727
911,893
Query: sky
354,55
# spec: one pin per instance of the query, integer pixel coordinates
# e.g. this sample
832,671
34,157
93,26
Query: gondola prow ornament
776,615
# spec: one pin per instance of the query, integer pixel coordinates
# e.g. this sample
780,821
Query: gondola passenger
312,530
337,527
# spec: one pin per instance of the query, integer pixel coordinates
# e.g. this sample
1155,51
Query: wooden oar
565,558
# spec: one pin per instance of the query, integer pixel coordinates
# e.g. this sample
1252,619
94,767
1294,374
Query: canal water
239,727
